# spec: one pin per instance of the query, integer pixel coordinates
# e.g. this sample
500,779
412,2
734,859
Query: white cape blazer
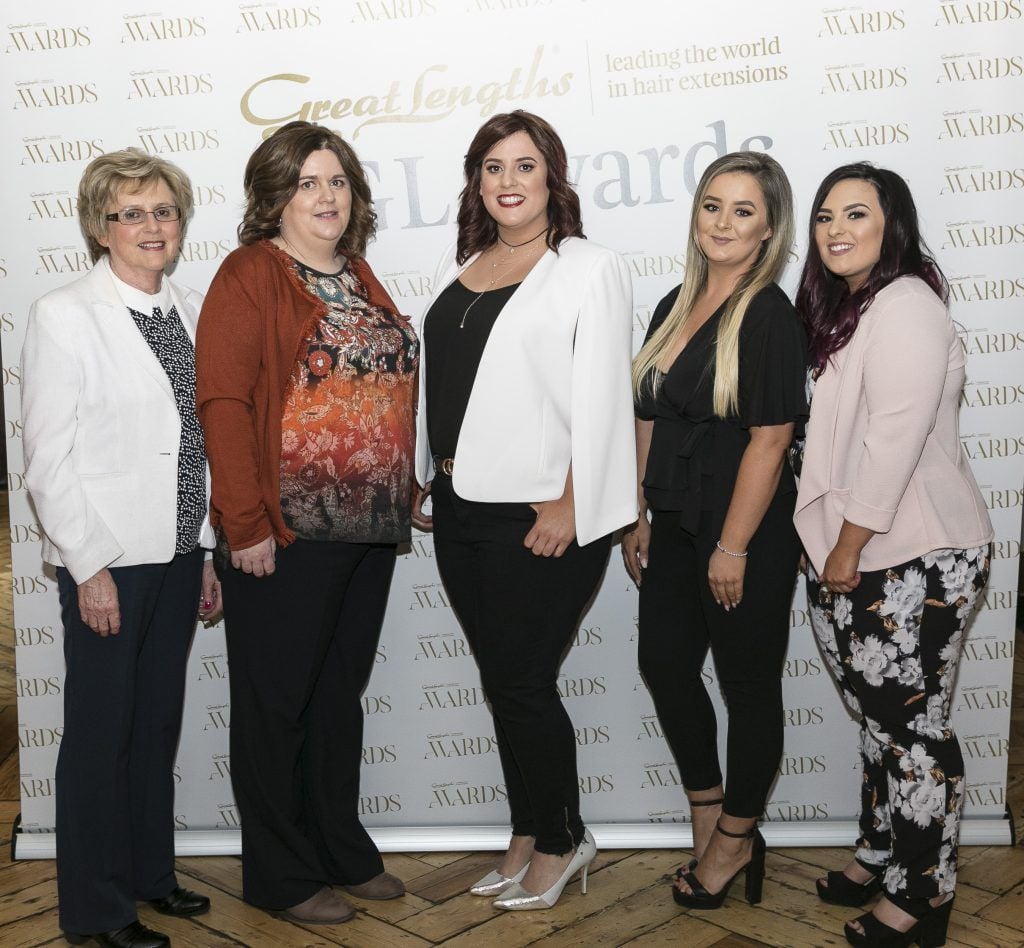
553,387
101,429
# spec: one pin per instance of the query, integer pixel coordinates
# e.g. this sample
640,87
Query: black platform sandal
929,931
692,864
700,898
842,890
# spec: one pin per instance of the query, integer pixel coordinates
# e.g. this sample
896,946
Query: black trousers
679,620
123,697
893,645
520,612
301,644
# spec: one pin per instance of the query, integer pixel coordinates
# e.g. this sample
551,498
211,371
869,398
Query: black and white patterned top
171,345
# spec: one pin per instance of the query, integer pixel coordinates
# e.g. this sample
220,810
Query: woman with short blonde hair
116,466
128,170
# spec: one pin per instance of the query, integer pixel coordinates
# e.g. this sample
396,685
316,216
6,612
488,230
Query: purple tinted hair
829,310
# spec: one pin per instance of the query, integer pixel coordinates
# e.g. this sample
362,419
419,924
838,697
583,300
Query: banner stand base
412,839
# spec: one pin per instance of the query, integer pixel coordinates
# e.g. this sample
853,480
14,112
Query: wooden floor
628,900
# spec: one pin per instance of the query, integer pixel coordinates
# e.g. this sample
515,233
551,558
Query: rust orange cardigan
253,321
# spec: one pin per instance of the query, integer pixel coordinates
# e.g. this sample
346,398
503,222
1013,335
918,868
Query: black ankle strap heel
700,898
718,801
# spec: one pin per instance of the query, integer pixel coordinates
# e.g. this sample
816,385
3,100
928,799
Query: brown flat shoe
383,886
325,907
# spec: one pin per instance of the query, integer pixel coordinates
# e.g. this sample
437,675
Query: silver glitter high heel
494,883
517,899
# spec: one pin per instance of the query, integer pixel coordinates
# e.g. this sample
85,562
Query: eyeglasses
136,215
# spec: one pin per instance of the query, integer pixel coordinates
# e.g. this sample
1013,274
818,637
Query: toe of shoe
383,886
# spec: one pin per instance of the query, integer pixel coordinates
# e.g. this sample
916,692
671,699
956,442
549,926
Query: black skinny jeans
679,620
519,612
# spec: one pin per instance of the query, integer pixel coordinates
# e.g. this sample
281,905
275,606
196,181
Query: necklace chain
495,273
512,248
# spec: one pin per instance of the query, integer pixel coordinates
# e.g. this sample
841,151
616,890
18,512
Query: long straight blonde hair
771,259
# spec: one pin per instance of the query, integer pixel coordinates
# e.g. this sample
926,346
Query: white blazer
553,387
101,429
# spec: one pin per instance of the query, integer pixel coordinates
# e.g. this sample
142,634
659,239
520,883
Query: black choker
512,248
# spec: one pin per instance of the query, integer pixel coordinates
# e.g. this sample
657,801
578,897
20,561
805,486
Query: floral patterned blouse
348,426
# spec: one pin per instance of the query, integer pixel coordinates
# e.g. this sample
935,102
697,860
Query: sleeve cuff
877,519
85,565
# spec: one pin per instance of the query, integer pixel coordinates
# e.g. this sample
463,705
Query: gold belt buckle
447,466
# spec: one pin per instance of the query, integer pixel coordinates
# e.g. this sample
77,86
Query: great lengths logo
431,99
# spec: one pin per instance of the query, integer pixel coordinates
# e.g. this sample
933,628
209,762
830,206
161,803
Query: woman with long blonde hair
719,389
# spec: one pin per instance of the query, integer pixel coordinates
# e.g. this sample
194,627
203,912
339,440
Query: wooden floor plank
221,872
1001,869
639,913
1006,910
445,882
8,729
31,932
391,911
9,811
440,859
41,897
451,918
10,778
736,941
981,933
407,866
15,877
824,857
769,928
685,930
364,931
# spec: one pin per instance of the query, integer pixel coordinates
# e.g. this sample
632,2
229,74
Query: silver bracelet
722,549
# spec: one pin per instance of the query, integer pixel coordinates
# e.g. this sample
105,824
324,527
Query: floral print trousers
893,644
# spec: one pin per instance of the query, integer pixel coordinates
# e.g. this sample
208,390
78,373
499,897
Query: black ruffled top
695,456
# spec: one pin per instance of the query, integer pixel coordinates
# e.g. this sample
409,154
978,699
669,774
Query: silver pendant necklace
495,273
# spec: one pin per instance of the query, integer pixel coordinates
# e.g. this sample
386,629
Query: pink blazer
883,442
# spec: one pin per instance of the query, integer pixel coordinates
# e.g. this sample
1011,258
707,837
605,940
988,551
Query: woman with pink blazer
897,539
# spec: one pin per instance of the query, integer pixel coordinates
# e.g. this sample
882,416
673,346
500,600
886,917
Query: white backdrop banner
645,96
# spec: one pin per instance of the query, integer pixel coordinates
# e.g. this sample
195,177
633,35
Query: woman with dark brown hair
898,540
305,391
525,426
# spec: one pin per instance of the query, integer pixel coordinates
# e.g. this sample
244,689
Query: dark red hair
829,310
477,230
